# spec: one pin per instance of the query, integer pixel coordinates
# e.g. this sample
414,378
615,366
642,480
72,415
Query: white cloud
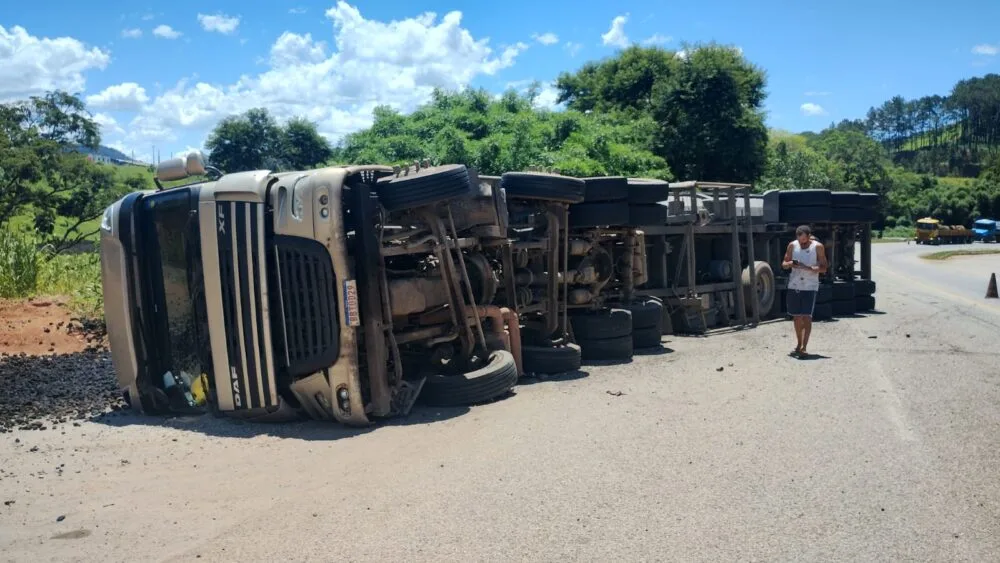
548,38
109,126
220,23
812,110
985,49
367,63
292,48
166,32
31,65
682,54
297,11
547,97
816,93
657,39
132,33
148,17
127,96
573,48
615,37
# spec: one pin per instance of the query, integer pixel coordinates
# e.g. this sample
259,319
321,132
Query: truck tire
843,291
843,307
606,323
605,214
539,185
643,215
825,293
494,379
551,359
647,313
864,287
823,312
805,198
766,287
868,201
425,187
648,337
619,348
845,200
605,188
805,214
847,215
645,191
864,303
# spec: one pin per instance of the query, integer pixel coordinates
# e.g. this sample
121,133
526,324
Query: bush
77,276
19,260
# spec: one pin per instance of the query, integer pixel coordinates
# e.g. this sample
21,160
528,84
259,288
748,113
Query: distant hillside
108,152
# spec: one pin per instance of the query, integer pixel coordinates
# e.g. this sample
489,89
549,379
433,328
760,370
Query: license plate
352,311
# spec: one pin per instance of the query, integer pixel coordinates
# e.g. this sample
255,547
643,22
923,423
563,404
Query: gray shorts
800,303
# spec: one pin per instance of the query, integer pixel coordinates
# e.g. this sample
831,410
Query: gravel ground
885,448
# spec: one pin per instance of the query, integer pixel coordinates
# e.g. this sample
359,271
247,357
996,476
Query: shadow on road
307,430
535,379
811,357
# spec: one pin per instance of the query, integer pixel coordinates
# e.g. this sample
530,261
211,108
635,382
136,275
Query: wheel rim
765,290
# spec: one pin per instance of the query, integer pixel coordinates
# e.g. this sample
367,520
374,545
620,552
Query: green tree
43,174
302,146
251,141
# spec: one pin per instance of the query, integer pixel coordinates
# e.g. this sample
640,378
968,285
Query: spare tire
647,313
845,199
804,198
605,188
607,348
608,214
643,215
647,190
805,214
539,185
864,287
843,290
424,187
648,337
864,303
494,379
822,312
550,359
606,323
766,288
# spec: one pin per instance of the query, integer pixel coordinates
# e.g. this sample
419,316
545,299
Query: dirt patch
43,327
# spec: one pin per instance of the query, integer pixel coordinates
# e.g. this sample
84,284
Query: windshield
927,226
172,224
983,224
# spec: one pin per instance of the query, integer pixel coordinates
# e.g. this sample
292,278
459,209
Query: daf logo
237,398
222,221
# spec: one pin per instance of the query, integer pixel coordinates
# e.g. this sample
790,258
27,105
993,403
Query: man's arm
821,258
787,261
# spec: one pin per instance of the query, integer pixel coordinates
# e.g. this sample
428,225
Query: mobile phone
795,262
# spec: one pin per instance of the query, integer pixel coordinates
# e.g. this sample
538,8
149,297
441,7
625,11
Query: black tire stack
550,360
824,303
864,295
647,323
605,203
842,304
644,195
845,207
804,206
426,186
489,382
604,334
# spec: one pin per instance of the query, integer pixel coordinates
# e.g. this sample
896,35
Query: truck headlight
106,219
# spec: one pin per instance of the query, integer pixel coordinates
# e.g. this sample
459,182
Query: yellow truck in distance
931,231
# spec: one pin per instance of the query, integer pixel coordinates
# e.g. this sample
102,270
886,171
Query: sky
163,74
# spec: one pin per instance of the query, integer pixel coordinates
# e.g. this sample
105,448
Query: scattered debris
615,393
61,518
720,368
872,337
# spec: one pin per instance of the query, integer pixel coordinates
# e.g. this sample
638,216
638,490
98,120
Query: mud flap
406,395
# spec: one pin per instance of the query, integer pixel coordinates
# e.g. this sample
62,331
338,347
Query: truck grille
243,277
310,326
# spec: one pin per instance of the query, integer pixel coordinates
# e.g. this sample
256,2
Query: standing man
806,258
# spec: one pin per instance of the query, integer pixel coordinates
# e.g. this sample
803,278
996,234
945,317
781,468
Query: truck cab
269,296
986,230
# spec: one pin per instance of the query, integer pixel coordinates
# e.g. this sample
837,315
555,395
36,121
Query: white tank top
804,280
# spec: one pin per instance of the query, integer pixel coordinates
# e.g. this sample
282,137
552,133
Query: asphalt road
959,276
887,448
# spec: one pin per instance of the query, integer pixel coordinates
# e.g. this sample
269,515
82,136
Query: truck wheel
587,215
646,314
648,337
822,312
642,215
825,294
605,188
425,187
484,384
805,214
805,198
619,348
538,185
864,287
843,290
551,359
647,191
843,307
766,287
864,303
606,323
